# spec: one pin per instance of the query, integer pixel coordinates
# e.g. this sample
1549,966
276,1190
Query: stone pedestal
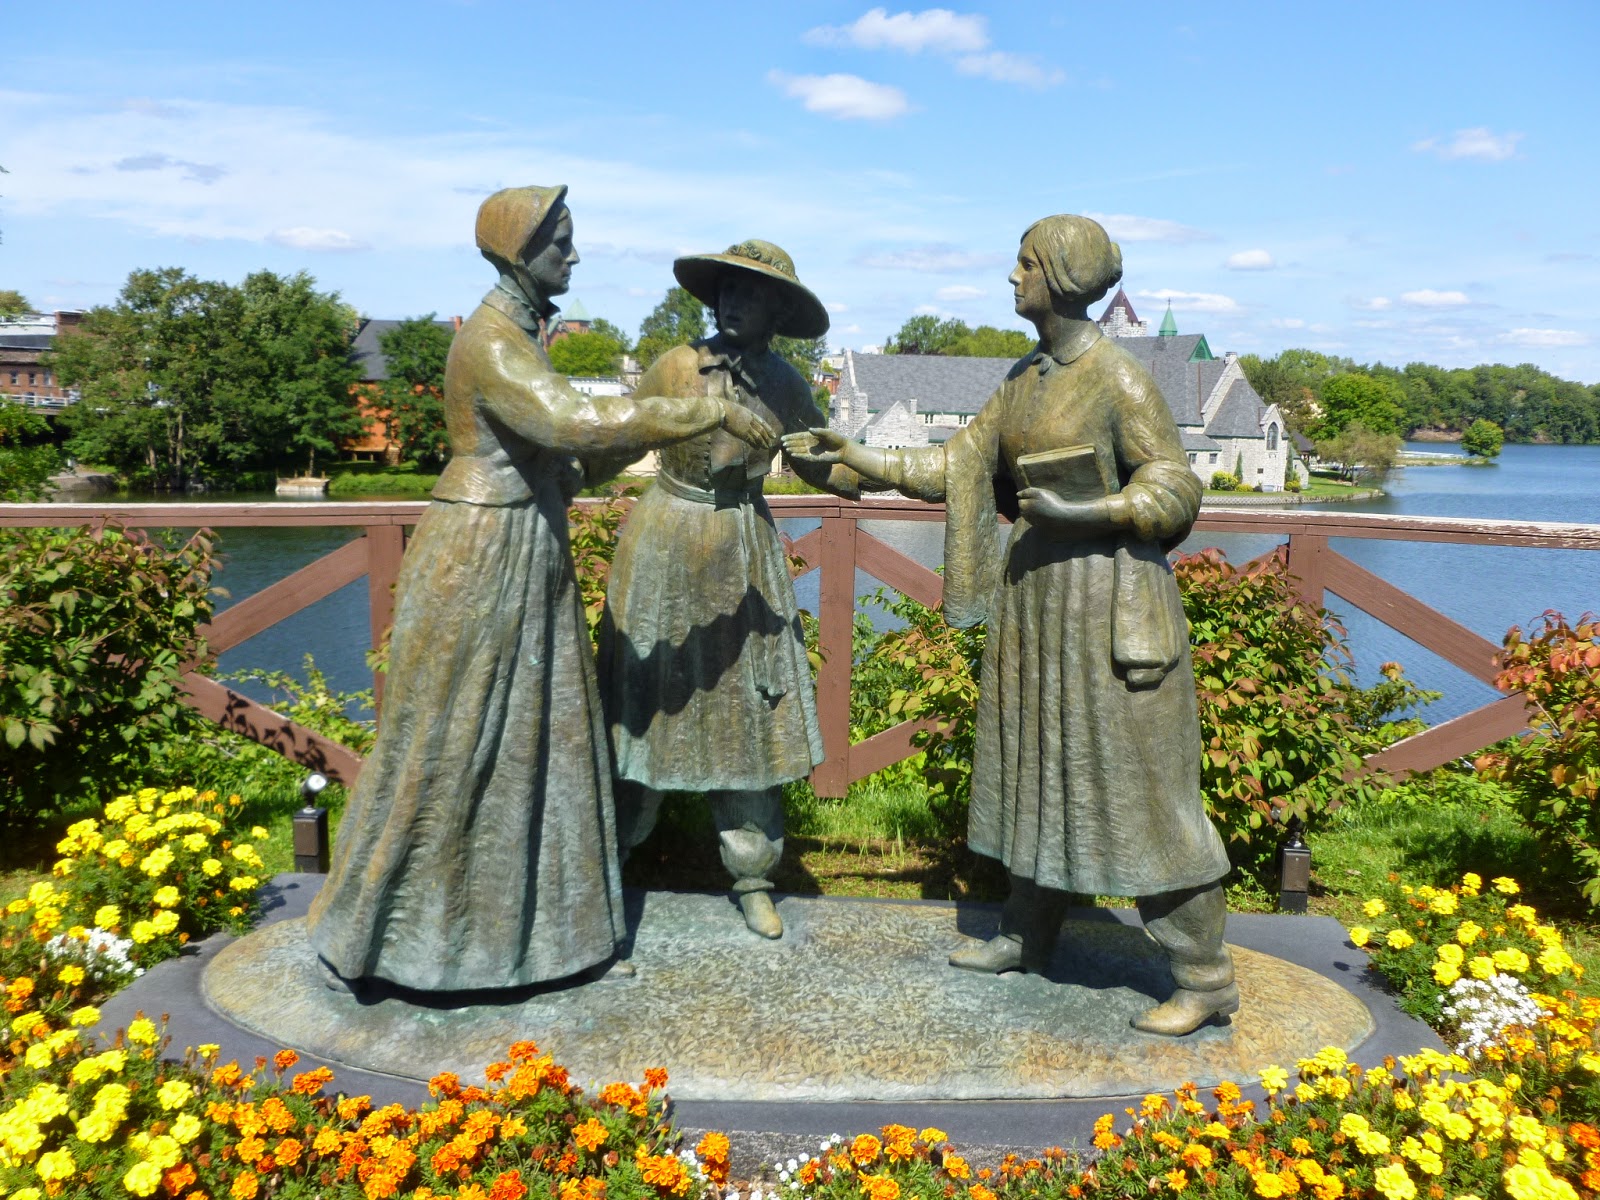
856,1002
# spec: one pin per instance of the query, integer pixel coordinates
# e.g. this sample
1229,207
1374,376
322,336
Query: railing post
385,546
836,625
1308,564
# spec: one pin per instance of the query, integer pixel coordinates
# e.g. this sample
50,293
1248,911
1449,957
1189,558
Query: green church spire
1169,325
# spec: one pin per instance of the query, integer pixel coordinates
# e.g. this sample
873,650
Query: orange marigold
590,1135
276,1116
593,1188
178,1178
496,1071
956,1167
309,1083
865,1149
978,1192
1586,1136
445,1159
284,1059
351,1107
289,1151
880,1187
899,1142
245,1186
664,1173
524,1051
712,1150
655,1078
445,1083
508,1185
328,1141
250,1148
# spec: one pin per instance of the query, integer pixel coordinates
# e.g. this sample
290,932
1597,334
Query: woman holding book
1086,777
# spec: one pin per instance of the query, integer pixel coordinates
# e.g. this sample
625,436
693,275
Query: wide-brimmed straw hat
702,274
508,219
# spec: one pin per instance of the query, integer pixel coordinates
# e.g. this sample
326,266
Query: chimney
456,322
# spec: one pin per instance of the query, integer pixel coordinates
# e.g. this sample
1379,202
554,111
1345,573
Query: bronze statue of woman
1086,776
479,846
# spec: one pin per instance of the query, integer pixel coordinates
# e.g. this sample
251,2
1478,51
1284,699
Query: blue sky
1398,181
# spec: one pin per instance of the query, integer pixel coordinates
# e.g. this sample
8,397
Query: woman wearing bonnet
1086,773
479,846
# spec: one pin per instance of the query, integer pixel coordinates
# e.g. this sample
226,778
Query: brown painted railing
837,548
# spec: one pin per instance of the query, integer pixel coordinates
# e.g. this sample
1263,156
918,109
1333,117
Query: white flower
804,1157
793,1165
1482,1010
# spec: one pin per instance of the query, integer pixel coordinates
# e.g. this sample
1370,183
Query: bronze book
1070,473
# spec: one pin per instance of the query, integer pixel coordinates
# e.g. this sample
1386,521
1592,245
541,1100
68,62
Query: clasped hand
748,427
1044,508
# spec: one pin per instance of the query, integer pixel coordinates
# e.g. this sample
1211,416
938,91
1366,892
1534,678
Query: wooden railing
838,547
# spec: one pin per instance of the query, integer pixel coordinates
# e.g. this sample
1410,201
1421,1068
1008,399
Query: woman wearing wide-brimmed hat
1086,776
479,846
702,663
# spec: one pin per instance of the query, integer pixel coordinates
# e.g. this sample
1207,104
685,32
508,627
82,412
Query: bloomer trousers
749,828
1187,924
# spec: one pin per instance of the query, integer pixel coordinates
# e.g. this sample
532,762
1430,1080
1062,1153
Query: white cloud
192,171
303,237
1373,304
1250,260
1286,323
1005,67
1428,298
842,97
960,292
1148,229
1479,143
934,259
1545,337
936,29
1203,302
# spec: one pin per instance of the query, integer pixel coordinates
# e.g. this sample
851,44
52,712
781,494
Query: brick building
23,343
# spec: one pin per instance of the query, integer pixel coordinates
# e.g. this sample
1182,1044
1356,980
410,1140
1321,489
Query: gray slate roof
1196,440
374,367
25,341
936,383
1182,383
1239,414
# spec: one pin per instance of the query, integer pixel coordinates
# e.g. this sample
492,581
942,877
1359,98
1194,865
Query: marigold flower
178,1178
590,1135
245,1186
1360,935
956,1167
309,1083
1196,1156
1399,939
1505,885
1393,1182
978,1192
186,1128
142,1179
880,1187
1273,1079
142,1033
174,1093
864,1149
1268,1185
655,1078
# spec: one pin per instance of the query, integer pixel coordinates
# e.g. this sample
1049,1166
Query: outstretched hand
747,427
821,446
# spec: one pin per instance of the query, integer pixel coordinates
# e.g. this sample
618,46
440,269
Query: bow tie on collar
736,366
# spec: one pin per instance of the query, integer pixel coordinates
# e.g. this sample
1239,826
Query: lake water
1487,589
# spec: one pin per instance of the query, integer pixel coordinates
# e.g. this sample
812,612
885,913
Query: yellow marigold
1360,935
27,1022
142,932
107,916
38,1056
880,1187
1196,1156
864,1149
245,1186
1468,932
156,862
1553,960
1374,907
243,883
1471,884
174,1093
1452,953
186,1128
211,867
142,1033
933,1137
195,842
1482,967
1445,973
1393,1182
142,1178
1444,903
1177,1179
1505,885
1530,1179
1511,959
1399,939
55,1165
1267,1184
1522,912
1335,1087
165,922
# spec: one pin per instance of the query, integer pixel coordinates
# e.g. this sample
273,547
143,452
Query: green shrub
381,483
1556,771
1224,481
96,629
1281,722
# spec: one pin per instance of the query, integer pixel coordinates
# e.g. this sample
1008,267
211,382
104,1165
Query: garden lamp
311,828
1294,870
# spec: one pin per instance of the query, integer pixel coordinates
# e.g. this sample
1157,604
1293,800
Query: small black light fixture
1294,869
311,829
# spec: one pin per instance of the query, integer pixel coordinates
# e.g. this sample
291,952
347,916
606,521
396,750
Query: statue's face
550,267
747,309
1029,287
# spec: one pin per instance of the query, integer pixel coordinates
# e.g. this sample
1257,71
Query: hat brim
701,275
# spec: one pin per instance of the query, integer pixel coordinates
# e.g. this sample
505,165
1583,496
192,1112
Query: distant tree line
927,334
1320,395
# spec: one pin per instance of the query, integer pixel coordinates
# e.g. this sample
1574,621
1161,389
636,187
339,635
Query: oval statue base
856,1002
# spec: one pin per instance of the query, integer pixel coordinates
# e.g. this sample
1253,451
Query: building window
14,377
31,379
1272,438
1191,458
1213,456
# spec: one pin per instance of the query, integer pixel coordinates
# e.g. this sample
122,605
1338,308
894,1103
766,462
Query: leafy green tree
803,354
602,326
1356,398
293,354
1483,439
678,320
413,394
988,342
585,354
186,380
13,303
926,334
1361,451
27,460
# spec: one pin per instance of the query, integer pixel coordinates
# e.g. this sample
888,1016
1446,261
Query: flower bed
1514,1114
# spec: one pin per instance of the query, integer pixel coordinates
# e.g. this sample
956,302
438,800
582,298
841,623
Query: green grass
397,482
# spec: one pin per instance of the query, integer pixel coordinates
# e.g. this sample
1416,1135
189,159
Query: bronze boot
1187,1010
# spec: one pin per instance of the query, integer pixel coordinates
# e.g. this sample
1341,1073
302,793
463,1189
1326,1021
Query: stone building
917,400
